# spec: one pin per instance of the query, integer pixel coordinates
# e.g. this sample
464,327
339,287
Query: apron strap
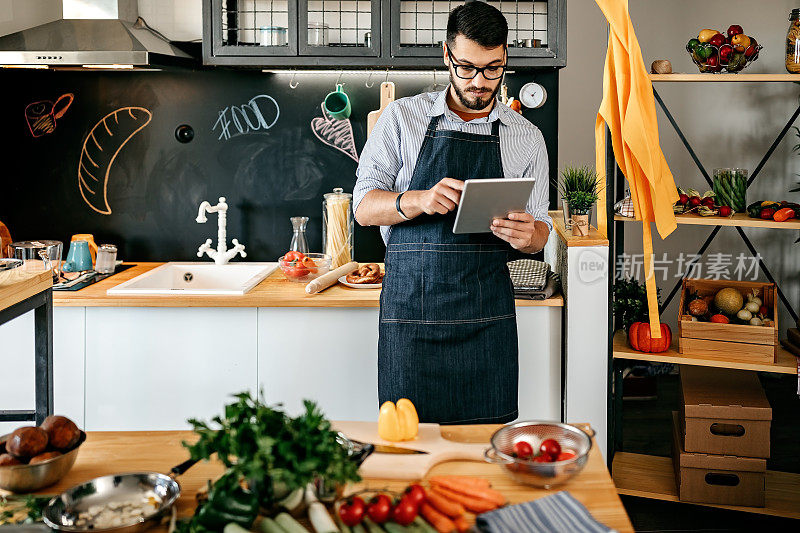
496,129
432,125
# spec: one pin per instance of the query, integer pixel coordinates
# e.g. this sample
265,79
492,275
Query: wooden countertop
595,238
17,284
275,291
106,453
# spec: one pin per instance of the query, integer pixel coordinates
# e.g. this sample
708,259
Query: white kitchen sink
181,279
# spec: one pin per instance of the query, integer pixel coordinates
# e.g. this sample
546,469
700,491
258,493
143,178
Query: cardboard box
724,412
722,479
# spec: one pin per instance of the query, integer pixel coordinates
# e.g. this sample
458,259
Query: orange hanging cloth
628,110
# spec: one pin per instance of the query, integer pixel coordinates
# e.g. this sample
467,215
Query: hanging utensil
387,96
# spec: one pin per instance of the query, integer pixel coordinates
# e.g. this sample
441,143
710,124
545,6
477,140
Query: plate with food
365,277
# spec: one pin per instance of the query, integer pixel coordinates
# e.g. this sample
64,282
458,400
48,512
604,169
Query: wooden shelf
738,219
787,363
700,77
648,476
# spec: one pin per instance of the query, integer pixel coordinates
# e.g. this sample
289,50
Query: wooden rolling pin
331,278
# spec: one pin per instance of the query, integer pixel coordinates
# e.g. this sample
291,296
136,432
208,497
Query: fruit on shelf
729,300
740,40
706,35
725,211
712,51
640,340
717,40
720,319
734,29
698,307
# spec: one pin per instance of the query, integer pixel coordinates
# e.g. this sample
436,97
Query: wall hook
367,84
339,79
386,79
292,83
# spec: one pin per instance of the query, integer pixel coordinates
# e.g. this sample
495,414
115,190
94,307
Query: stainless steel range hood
101,33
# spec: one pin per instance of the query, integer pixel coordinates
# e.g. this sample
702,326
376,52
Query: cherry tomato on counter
379,508
416,494
352,511
405,511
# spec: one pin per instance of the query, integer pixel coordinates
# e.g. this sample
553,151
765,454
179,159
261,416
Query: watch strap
397,206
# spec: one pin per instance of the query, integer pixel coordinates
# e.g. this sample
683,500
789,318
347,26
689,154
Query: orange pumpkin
640,340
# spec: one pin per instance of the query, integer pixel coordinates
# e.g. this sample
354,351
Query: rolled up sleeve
380,159
539,169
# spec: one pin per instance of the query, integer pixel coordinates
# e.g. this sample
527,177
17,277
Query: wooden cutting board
387,96
409,467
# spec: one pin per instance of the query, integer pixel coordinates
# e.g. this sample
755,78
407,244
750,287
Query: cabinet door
341,28
242,28
154,368
418,28
328,355
16,356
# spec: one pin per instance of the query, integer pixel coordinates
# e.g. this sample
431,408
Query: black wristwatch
397,205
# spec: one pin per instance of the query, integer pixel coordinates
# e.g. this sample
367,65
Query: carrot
476,505
467,481
461,524
441,522
475,492
443,505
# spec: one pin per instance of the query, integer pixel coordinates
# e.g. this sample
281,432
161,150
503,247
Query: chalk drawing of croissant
101,148
335,133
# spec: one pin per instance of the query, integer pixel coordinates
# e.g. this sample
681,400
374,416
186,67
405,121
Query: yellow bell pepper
397,423
409,421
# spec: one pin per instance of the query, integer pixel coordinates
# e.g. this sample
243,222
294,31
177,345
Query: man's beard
479,102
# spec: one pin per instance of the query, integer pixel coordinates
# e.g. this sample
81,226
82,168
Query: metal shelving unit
649,476
367,33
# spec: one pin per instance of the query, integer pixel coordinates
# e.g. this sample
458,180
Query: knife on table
356,446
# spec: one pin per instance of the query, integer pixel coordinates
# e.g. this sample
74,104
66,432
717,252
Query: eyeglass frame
478,70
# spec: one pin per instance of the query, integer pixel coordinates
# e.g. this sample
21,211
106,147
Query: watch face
532,95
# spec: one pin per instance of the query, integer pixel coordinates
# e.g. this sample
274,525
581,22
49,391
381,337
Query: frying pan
62,511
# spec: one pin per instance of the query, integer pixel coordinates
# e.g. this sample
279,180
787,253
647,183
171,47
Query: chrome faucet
221,255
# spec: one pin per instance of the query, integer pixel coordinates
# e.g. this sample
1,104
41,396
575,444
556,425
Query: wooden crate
730,342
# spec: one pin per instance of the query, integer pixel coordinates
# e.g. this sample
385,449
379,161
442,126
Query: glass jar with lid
793,43
337,226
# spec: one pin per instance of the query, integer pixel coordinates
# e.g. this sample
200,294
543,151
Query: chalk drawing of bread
101,147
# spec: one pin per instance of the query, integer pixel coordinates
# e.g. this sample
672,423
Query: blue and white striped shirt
390,154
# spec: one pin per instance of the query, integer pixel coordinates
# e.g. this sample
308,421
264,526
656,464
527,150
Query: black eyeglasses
468,72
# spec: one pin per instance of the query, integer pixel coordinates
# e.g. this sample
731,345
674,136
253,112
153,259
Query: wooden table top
106,453
274,291
17,284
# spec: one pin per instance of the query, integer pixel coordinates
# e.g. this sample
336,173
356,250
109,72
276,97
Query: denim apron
448,331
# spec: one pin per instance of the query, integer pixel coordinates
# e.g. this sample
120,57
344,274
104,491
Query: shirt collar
439,107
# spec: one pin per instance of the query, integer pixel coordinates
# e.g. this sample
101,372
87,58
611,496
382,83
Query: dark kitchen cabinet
367,33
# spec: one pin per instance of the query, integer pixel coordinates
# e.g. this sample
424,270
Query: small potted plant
578,189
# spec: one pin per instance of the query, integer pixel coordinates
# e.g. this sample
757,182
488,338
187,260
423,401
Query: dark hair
479,22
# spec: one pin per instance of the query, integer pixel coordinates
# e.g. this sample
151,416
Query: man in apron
448,333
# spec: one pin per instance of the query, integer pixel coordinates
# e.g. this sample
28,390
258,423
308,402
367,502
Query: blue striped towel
557,513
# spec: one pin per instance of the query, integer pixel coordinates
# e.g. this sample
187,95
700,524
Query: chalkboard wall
123,124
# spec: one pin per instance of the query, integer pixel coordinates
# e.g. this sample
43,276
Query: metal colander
534,432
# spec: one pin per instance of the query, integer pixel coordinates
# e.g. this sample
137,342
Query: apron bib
448,331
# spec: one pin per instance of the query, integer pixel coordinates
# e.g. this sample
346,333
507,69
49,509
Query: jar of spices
793,43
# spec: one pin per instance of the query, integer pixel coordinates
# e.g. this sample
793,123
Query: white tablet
486,199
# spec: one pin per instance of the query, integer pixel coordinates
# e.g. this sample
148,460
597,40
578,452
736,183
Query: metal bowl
543,475
28,478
